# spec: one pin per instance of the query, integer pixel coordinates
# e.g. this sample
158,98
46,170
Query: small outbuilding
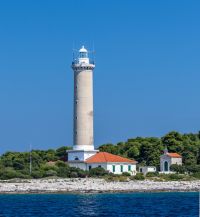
147,169
168,159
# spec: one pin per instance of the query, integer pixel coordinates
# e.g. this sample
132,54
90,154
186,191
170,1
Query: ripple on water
112,205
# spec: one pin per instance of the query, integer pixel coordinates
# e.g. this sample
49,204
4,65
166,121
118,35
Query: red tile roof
103,157
175,155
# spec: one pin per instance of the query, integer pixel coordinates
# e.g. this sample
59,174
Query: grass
157,178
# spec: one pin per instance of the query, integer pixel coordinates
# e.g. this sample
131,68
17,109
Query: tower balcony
77,65
76,61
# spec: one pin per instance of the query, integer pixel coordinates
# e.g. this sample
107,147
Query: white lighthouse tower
83,146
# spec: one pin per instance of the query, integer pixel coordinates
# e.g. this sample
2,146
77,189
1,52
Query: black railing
77,62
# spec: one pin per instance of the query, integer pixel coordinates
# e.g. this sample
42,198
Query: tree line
145,150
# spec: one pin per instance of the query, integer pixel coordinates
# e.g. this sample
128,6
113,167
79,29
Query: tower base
80,155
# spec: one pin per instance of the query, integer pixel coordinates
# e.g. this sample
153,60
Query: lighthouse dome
83,50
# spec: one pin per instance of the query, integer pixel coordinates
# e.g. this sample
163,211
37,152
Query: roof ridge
108,157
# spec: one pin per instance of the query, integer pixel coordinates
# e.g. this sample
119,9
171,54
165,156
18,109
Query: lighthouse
83,155
83,118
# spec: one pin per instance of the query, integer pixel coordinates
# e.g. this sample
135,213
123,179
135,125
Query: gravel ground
91,185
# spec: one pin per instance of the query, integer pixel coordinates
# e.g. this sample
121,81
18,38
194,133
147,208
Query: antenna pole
93,52
30,159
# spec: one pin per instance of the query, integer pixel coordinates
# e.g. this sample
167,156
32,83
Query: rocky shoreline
91,185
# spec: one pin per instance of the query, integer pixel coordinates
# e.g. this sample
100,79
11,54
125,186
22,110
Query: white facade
166,160
116,168
80,155
80,165
119,168
147,169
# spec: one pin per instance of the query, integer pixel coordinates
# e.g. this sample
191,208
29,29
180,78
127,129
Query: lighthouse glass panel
83,55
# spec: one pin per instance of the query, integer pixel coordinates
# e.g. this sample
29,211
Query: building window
76,158
129,167
90,167
99,166
121,167
140,170
113,167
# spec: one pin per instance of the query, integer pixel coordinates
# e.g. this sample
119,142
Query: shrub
193,168
196,175
60,163
126,174
175,177
37,174
50,173
46,167
116,178
9,173
73,175
63,172
152,174
139,176
110,178
177,168
98,171
122,179
23,176
82,173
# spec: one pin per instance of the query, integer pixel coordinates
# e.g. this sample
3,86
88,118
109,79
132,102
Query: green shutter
129,167
113,168
121,168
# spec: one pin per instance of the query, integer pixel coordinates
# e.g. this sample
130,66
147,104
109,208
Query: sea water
112,205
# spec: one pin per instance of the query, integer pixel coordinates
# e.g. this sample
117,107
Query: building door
166,166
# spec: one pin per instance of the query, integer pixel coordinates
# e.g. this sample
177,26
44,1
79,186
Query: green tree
113,149
133,152
178,168
174,141
61,152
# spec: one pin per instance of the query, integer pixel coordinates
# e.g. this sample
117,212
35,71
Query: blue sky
146,80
